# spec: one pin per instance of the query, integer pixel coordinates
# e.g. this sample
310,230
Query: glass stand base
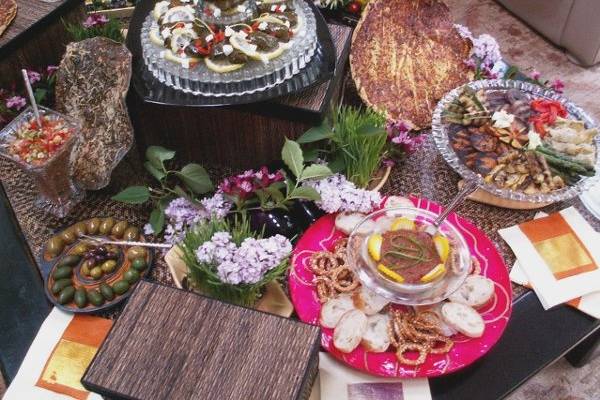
60,207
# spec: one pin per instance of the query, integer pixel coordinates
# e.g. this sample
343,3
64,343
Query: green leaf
305,193
157,220
316,134
155,172
275,193
316,171
371,130
133,195
40,94
337,164
311,155
157,155
182,193
511,72
196,178
291,154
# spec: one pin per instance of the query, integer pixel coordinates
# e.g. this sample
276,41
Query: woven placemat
424,173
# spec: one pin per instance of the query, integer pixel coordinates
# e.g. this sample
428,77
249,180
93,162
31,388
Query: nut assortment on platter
87,274
520,142
224,34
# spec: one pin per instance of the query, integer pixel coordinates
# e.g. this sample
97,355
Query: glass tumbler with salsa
44,153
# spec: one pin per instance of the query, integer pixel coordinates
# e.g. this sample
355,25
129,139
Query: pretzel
343,279
323,262
423,350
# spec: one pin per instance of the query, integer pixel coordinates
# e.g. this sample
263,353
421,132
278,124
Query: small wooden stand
239,136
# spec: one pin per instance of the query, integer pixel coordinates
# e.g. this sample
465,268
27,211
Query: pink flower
470,63
33,77
16,102
536,75
94,20
558,85
399,134
51,69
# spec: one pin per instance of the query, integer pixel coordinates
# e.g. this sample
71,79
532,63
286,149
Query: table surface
31,13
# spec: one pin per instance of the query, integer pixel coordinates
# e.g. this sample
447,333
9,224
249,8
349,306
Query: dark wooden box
239,136
172,344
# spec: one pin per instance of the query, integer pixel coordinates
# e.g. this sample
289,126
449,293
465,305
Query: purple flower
51,69
463,31
244,185
34,77
487,50
246,264
16,102
339,194
536,75
94,20
558,85
470,63
400,134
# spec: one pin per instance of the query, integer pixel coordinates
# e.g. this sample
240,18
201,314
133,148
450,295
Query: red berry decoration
354,7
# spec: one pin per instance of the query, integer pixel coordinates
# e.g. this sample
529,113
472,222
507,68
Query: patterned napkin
589,304
338,382
58,358
558,255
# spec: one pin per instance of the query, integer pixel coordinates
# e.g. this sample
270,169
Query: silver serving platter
440,131
253,77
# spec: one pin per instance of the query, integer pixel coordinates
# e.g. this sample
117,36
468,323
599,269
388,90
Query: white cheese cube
227,49
217,12
228,31
209,38
262,26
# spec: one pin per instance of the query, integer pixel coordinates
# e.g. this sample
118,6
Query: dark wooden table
534,338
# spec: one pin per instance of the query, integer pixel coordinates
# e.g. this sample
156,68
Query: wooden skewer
36,111
127,243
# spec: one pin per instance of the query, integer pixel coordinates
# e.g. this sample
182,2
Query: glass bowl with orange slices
395,254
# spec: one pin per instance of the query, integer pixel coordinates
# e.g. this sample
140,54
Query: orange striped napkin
559,255
58,358
589,303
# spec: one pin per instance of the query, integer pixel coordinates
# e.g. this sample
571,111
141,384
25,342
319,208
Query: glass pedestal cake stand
255,76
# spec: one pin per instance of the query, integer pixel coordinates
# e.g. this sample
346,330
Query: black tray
151,90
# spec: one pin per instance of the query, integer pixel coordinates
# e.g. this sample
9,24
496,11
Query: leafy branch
189,182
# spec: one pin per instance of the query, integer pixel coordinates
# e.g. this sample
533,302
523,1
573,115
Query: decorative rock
91,86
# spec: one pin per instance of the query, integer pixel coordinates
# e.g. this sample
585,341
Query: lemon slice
434,274
374,246
155,38
183,37
403,223
442,245
299,23
185,62
159,9
393,275
221,68
252,51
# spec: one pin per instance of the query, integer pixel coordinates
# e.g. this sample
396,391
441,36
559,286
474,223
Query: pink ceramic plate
322,236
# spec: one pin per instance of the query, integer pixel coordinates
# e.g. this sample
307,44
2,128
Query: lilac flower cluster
181,214
485,54
16,102
340,195
94,20
246,264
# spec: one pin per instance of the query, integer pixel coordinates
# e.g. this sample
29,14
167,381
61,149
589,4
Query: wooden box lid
172,344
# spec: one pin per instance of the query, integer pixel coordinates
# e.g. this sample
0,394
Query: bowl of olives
82,274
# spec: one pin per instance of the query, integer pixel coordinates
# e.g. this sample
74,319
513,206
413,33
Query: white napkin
339,382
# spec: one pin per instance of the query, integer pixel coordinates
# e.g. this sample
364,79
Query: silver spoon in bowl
467,188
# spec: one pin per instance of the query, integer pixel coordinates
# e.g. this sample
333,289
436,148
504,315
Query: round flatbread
8,12
406,55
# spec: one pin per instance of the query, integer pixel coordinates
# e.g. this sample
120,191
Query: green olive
69,261
79,249
93,225
136,252
81,299
55,246
96,272
108,266
107,291
86,267
131,276
66,295
61,284
62,272
95,298
139,264
119,229
68,236
80,229
106,225
131,234
120,287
